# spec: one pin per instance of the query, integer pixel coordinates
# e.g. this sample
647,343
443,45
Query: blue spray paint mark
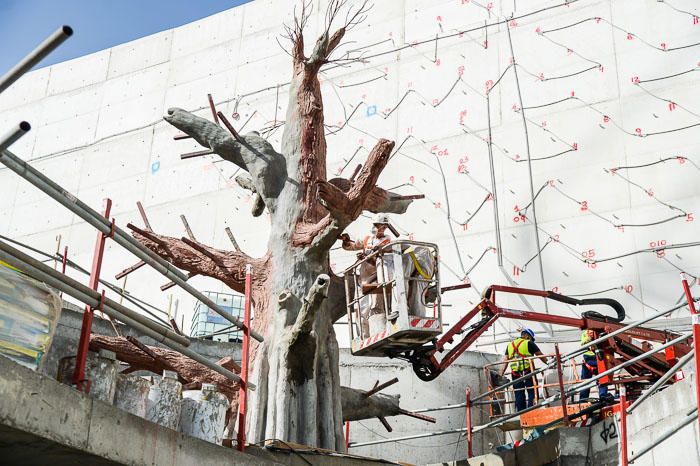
371,110
155,166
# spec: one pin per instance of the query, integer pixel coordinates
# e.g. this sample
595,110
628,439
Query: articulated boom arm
428,367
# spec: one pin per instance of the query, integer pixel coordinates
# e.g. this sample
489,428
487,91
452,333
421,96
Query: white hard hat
380,219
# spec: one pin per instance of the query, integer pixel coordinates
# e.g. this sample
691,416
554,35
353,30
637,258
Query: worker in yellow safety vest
589,368
517,352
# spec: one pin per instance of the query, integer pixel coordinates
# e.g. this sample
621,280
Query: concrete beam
37,411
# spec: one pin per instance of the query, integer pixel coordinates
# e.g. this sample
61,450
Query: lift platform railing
386,280
587,383
499,398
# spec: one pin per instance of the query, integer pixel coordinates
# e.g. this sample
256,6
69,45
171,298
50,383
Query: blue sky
97,24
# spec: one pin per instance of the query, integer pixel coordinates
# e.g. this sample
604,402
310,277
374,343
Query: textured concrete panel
139,54
79,72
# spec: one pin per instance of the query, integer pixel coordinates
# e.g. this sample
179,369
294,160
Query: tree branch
378,200
166,359
351,203
345,206
196,258
250,152
307,313
246,182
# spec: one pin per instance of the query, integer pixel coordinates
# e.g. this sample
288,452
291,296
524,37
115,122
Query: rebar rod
35,56
13,135
671,372
122,238
530,176
164,336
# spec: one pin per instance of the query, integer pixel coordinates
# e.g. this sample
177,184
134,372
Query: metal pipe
533,198
79,376
14,134
470,451
551,364
623,426
671,372
119,236
663,437
243,385
696,333
590,382
34,57
69,286
544,402
166,337
560,376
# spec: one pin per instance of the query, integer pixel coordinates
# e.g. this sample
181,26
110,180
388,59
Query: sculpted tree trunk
295,295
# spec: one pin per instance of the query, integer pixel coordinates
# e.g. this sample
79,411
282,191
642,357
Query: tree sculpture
296,296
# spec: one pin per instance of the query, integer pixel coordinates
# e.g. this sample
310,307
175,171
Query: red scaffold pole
347,436
696,336
470,452
623,426
243,390
79,377
560,376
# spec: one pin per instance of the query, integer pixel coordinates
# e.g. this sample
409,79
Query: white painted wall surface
98,132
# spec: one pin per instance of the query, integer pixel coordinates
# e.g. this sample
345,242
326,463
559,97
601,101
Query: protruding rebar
38,54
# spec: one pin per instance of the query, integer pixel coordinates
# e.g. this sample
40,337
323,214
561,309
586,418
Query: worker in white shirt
368,270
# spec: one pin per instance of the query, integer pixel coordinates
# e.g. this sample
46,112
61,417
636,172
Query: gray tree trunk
298,396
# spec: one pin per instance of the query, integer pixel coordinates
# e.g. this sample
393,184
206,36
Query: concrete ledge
43,421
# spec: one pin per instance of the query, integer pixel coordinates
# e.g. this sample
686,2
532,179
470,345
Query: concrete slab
45,411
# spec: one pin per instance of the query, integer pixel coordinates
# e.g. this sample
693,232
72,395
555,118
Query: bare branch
307,314
246,182
198,259
347,206
250,152
155,359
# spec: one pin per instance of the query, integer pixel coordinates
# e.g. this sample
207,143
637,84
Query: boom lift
394,310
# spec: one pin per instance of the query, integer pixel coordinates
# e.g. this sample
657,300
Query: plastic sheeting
29,313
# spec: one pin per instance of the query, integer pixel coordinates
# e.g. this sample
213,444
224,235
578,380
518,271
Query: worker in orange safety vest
589,368
368,270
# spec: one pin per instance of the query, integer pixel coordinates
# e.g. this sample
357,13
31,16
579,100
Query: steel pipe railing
70,286
545,402
654,388
35,56
92,298
122,238
551,364
13,135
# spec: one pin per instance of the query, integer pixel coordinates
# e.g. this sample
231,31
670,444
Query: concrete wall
67,336
659,414
447,389
98,130
36,428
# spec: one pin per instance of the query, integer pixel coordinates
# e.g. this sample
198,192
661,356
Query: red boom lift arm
427,366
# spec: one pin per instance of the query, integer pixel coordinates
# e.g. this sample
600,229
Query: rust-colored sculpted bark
295,295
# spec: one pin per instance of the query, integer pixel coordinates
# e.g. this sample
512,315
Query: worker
516,352
374,304
589,367
372,242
